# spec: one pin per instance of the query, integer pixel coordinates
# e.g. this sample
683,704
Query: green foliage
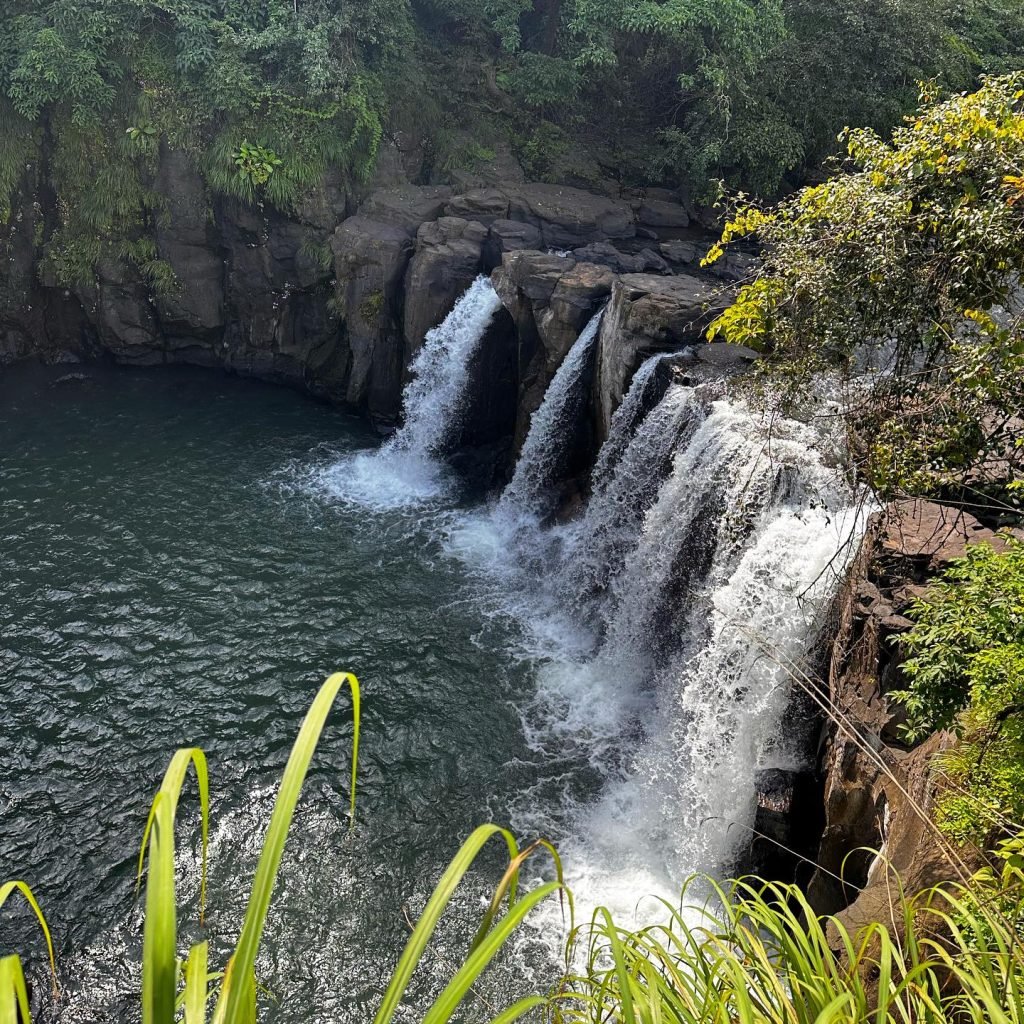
265,97
908,263
255,162
965,670
757,952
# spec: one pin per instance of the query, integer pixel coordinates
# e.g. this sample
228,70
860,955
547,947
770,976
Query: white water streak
408,469
541,461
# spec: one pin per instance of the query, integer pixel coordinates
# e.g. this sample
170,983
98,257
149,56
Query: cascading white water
541,463
710,581
407,469
682,800
661,621
633,409
625,486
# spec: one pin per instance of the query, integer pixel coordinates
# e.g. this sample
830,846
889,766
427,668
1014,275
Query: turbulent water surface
185,557
172,572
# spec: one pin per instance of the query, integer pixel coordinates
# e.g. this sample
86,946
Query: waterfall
408,469
633,464
638,401
548,450
433,398
708,550
739,556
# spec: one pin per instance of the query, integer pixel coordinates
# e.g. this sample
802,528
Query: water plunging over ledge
662,622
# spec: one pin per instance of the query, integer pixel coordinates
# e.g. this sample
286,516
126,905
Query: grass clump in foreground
755,952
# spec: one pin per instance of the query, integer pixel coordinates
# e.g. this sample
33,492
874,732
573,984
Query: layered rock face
878,792
337,297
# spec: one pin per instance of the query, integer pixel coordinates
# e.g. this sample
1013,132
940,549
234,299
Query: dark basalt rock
873,783
551,299
786,829
646,315
448,257
336,295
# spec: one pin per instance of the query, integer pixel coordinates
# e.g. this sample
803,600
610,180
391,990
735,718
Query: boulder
649,314
606,255
371,253
551,299
665,217
682,254
510,236
448,256
569,217
484,205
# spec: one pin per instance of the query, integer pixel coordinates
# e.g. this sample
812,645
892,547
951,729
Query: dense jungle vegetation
266,95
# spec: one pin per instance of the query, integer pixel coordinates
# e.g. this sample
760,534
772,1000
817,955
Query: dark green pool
167,577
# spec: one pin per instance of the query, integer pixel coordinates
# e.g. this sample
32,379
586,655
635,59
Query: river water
172,574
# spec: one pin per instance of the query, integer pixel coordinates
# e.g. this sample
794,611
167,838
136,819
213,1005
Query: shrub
907,264
965,670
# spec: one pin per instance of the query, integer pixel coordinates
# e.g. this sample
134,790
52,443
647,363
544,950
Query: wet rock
649,314
785,834
448,256
491,403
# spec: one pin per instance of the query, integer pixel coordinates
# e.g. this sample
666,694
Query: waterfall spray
408,469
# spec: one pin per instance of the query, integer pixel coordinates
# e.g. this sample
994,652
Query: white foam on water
408,469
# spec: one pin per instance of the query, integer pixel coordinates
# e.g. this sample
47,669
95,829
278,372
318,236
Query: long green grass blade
519,1009
457,989
424,929
13,992
160,933
196,984
238,993
7,890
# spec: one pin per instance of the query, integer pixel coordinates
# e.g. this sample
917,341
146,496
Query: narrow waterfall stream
408,470
541,463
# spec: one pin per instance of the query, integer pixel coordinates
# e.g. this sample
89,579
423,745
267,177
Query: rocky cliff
336,297
878,791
